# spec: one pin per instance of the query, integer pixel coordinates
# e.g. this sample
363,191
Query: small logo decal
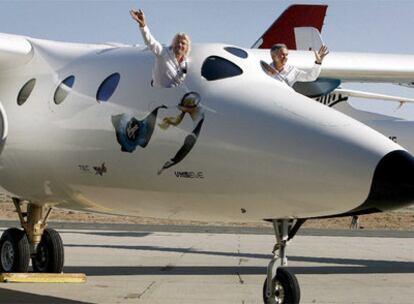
393,138
331,99
100,170
84,168
189,174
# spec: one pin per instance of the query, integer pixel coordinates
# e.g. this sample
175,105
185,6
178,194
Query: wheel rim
7,256
42,258
279,294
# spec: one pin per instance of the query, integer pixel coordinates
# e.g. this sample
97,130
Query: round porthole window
63,89
108,87
25,91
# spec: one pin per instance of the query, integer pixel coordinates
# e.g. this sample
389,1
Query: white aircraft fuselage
251,149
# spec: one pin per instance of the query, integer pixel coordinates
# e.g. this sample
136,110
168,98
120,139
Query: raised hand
138,16
323,51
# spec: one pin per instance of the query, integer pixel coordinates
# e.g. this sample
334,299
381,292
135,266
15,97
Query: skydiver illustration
189,104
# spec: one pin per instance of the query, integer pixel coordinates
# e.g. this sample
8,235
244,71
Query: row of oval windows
214,68
105,90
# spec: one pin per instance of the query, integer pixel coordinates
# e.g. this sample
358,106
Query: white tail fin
308,38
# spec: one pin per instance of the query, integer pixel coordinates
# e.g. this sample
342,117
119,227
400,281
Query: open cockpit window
25,91
63,89
108,87
236,52
215,68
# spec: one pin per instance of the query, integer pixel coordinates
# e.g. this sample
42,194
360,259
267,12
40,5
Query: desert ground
402,219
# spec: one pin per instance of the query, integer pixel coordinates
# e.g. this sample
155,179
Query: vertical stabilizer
282,30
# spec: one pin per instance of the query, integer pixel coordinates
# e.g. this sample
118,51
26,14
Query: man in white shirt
289,74
171,62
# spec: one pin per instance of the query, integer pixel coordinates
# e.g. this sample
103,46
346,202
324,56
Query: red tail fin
282,30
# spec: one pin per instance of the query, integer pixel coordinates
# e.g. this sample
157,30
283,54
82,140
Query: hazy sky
358,26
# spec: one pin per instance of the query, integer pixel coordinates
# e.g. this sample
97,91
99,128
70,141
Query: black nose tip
393,184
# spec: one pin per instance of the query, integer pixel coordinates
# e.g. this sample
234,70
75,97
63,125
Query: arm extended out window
215,68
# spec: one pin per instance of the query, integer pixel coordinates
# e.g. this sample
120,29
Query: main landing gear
36,242
281,286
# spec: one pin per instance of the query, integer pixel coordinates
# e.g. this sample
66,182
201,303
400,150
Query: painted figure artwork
132,132
190,104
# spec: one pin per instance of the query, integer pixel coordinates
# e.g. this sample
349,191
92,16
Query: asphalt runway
201,265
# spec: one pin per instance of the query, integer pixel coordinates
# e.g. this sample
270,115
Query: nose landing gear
281,286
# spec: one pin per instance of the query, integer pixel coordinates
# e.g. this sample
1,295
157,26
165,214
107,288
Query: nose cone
392,185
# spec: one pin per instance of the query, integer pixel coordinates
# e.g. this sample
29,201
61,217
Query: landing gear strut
43,245
281,286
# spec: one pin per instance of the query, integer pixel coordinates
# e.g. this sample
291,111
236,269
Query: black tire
285,288
14,251
50,253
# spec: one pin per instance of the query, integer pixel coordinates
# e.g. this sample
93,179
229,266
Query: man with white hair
289,74
170,62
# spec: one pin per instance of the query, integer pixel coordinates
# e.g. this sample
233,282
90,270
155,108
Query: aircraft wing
358,67
330,87
370,95
355,67
362,67
14,51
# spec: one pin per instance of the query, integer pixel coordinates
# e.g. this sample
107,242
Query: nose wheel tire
50,253
14,251
284,289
